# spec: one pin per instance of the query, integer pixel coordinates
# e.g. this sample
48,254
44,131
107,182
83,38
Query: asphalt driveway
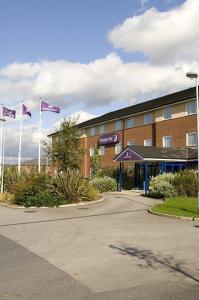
110,250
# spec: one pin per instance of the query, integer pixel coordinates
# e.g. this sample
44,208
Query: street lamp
194,75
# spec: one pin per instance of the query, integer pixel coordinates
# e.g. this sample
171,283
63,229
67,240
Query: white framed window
130,143
102,129
148,142
92,151
92,131
167,113
118,148
148,118
191,108
167,141
101,150
118,125
130,123
191,139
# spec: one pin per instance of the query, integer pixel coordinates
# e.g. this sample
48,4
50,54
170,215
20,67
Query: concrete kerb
173,216
61,206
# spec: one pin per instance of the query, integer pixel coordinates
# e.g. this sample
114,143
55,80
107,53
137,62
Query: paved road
109,250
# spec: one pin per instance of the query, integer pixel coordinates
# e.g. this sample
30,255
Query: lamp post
194,75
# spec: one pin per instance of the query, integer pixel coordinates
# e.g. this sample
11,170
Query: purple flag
45,106
9,112
26,110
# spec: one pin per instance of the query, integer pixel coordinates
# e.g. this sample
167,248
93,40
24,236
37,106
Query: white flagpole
1,140
20,142
3,160
39,158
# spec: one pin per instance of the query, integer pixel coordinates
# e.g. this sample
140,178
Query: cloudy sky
91,56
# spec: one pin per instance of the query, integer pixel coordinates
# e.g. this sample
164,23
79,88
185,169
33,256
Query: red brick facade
177,128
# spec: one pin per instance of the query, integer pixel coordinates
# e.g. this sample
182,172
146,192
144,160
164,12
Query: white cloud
164,37
30,142
100,82
78,116
170,40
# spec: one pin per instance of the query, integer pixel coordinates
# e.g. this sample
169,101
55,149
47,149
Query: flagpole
20,142
1,140
3,160
39,158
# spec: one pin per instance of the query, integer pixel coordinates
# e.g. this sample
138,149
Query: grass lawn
178,206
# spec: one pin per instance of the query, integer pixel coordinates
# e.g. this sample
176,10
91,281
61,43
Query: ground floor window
167,141
101,150
191,139
148,142
118,148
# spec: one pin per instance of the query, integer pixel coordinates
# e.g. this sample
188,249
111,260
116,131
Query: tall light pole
194,75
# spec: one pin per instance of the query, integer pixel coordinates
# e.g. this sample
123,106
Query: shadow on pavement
151,260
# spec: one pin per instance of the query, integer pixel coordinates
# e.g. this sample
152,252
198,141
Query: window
130,123
92,151
191,139
130,143
148,142
191,108
118,148
101,150
148,118
167,113
102,129
118,125
167,141
92,131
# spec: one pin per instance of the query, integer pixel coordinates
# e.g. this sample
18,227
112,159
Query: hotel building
148,138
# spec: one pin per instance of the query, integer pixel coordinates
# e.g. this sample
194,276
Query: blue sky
92,55
74,30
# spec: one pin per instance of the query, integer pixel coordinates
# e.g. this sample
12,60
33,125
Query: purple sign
128,155
109,138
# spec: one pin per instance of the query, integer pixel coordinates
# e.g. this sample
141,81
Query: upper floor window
148,118
191,108
130,123
191,139
102,129
167,113
118,125
148,142
118,148
167,141
92,131
101,150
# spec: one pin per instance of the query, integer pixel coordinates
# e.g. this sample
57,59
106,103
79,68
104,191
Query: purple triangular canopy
128,155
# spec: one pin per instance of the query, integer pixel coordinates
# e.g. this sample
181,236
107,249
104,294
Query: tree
95,162
66,150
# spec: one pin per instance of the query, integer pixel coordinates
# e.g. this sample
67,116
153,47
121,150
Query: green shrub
72,188
104,184
35,190
43,198
7,198
185,183
161,186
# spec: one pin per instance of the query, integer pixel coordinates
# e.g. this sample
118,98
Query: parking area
109,250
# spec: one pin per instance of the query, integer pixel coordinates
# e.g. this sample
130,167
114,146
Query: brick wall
138,134
177,128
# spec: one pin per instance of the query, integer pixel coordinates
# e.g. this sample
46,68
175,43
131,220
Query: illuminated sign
109,138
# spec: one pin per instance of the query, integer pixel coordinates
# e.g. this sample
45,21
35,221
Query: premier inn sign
109,138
